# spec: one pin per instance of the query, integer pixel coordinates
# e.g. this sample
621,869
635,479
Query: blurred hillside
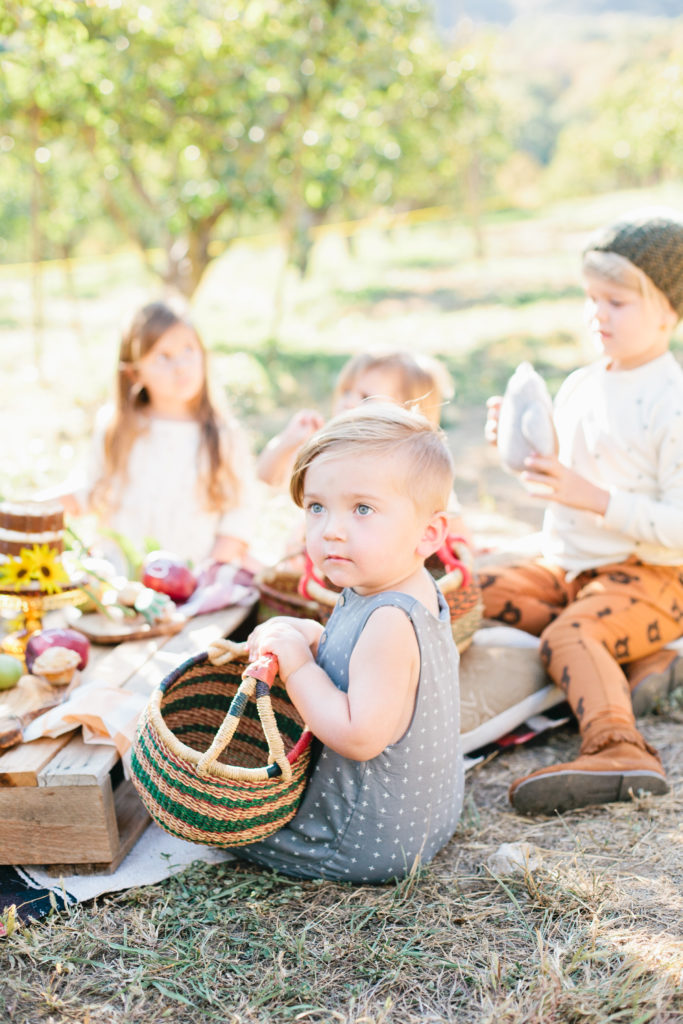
502,12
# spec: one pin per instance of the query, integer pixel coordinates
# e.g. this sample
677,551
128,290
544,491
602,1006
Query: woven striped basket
212,765
452,568
287,590
465,605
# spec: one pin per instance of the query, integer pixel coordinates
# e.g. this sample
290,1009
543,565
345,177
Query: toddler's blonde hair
384,430
423,383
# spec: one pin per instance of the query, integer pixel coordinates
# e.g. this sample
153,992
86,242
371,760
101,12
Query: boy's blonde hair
385,430
423,383
611,266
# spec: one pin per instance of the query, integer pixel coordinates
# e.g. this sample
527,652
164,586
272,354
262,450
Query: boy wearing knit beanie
608,589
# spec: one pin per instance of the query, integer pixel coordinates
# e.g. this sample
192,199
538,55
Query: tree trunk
473,186
70,289
187,259
278,308
37,246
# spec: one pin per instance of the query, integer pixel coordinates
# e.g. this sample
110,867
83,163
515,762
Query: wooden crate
64,803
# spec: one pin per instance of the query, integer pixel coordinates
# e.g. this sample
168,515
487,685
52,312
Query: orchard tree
191,122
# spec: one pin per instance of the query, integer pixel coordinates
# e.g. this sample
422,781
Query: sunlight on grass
662,954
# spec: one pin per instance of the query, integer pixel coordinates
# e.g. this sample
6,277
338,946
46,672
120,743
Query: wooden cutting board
100,629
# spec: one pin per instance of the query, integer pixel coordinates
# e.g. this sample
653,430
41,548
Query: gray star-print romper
368,821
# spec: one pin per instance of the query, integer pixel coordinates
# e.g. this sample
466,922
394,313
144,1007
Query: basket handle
257,679
222,650
312,588
453,553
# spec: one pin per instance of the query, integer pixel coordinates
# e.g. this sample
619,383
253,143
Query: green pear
11,670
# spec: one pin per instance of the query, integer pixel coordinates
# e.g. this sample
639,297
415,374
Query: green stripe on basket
201,698
225,832
183,832
193,785
210,701
218,824
292,733
166,805
210,732
180,688
287,723
223,686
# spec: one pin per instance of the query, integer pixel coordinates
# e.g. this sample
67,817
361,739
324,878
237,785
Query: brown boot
650,679
612,771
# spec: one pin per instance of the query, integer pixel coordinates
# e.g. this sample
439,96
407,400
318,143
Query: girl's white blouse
159,499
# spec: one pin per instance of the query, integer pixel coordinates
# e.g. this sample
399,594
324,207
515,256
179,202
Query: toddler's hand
301,426
493,405
284,641
546,477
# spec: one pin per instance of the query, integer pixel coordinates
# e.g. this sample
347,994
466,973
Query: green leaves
178,117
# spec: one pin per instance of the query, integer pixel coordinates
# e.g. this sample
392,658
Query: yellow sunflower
46,568
15,573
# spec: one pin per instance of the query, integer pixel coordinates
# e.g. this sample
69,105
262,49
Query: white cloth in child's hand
525,423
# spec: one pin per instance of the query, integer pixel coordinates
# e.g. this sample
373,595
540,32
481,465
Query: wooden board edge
132,820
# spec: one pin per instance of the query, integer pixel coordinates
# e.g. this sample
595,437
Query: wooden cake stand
32,606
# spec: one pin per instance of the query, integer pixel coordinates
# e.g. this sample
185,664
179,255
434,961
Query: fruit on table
11,671
45,638
99,575
164,572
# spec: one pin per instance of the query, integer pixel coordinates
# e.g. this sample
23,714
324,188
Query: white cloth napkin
106,714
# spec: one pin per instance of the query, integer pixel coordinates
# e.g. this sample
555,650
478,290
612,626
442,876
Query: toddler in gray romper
368,821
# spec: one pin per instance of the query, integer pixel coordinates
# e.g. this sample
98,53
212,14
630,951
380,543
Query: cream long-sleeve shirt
160,499
622,430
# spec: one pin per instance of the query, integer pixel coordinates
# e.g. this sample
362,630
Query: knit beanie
653,242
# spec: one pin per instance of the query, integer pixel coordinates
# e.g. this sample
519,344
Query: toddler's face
380,384
172,371
628,328
362,529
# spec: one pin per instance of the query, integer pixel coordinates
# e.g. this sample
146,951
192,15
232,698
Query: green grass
585,938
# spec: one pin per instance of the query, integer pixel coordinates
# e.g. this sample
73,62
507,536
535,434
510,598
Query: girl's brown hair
221,482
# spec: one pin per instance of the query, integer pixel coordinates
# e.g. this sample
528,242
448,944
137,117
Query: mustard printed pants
589,627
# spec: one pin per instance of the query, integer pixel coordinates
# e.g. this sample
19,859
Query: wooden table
64,803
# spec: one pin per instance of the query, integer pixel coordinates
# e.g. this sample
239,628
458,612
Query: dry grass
591,936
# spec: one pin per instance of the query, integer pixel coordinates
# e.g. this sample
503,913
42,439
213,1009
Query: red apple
45,638
169,575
